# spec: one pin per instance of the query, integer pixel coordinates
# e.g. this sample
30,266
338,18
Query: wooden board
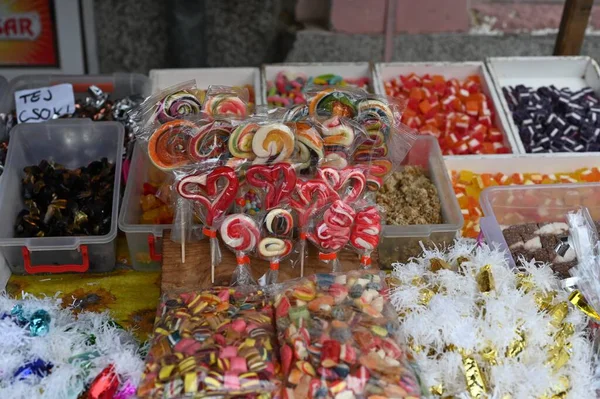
573,23
194,274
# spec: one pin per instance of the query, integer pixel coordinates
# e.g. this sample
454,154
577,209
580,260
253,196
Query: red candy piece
457,113
105,385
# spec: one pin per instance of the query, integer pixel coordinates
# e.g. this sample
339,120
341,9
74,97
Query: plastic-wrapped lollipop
309,146
332,102
309,196
366,233
225,101
273,142
331,232
210,141
376,172
338,132
349,183
275,243
240,141
276,181
213,192
241,233
168,145
175,102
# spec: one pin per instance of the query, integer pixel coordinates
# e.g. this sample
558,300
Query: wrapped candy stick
309,196
366,233
213,192
331,232
241,234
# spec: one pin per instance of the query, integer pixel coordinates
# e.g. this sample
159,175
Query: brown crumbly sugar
410,197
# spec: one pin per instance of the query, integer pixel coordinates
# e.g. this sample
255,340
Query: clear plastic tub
511,205
399,243
118,84
144,240
72,143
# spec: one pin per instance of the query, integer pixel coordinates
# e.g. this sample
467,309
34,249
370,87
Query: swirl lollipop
168,147
275,245
366,233
332,102
309,145
240,141
214,192
177,105
375,114
338,133
278,182
273,143
309,196
332,233
210,141
225,105
241,234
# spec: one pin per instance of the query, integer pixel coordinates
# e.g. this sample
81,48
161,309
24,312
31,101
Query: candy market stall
454,102
551,103
283,83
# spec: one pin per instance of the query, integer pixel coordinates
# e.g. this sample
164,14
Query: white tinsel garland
444,315
68,336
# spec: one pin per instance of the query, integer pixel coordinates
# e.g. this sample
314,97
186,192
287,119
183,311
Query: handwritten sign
45,103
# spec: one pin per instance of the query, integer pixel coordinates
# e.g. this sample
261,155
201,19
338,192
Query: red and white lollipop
241,234
366,233
332,233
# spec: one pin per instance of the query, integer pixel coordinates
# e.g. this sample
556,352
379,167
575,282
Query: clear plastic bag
275,183
195,354
226,102
329,230
212,192
241,234
338,337
309,196
176,102
366,231
276,240
333,101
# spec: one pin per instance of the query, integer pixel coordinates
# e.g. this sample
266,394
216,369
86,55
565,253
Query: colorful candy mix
155,206
555,120
286,90
468,186
338,339
458,113
215,343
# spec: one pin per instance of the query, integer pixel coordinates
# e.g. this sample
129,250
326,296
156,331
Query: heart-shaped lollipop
277,180
349,183
204,189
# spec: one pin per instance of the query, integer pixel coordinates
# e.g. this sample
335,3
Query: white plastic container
72,143
143,240
347,70
572,72
204,77
399,243
450,70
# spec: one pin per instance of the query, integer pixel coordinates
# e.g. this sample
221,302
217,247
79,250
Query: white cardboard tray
204,77
458,70
347,70
524,163
572,72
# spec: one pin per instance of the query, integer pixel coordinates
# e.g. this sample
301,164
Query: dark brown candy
63,202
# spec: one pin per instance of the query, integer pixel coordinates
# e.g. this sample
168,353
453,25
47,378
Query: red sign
28,34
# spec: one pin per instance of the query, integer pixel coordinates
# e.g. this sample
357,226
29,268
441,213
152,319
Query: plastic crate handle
152,248
82,268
